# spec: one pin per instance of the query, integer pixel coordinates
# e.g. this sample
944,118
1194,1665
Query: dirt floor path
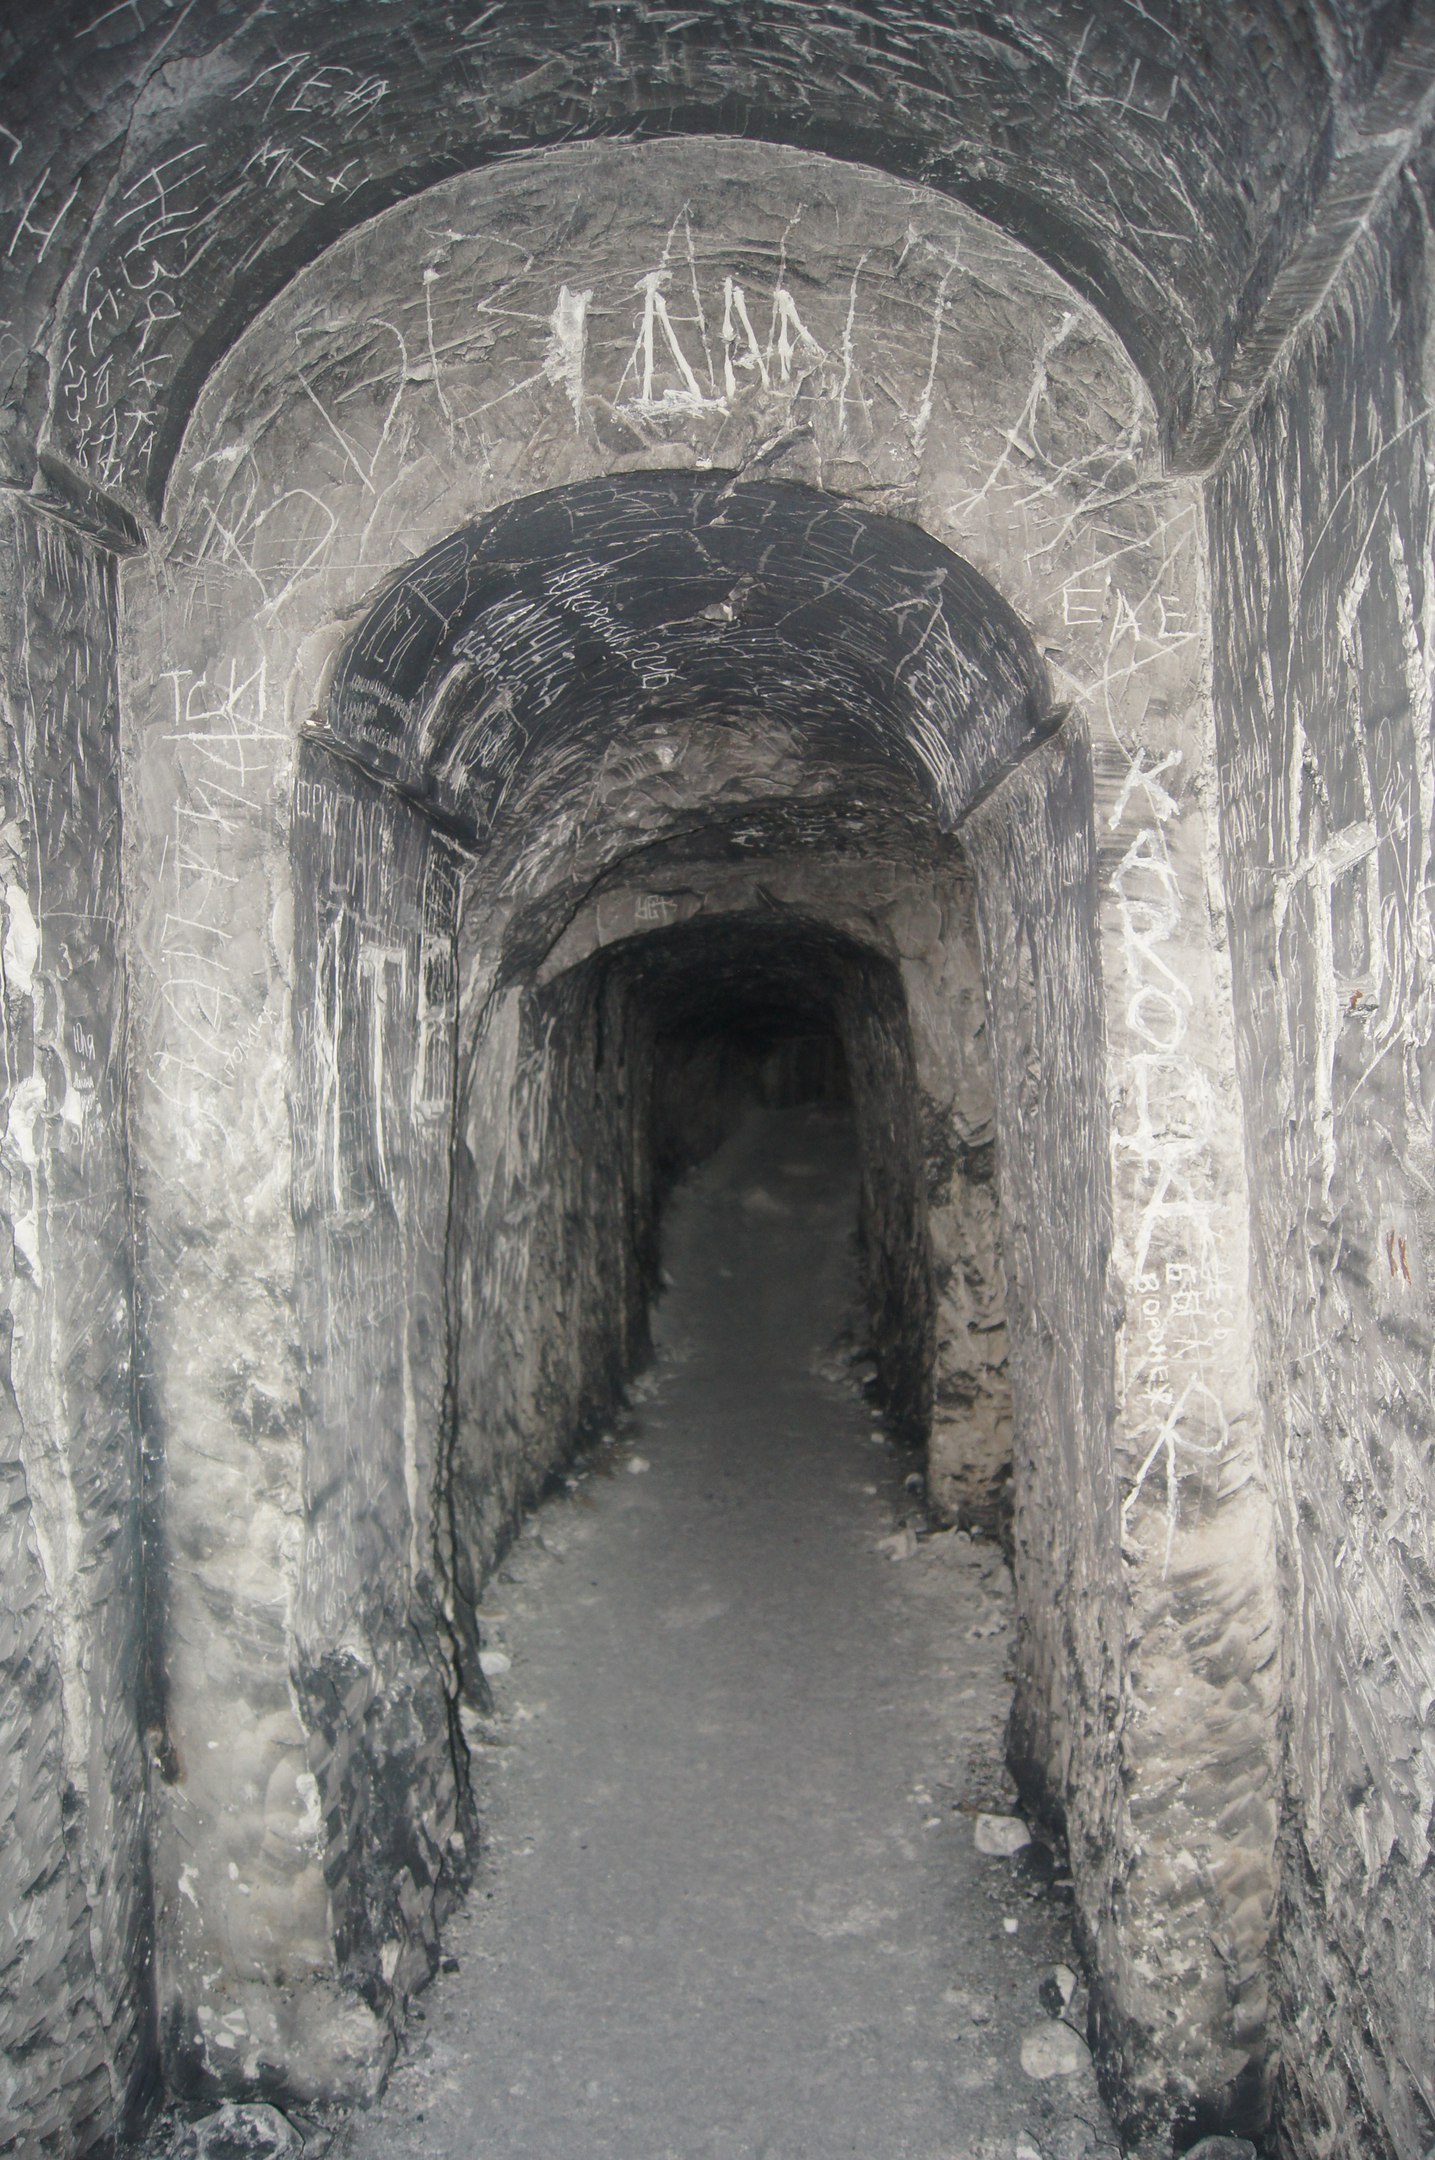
732,1905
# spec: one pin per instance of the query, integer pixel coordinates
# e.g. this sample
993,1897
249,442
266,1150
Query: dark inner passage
706,1078
742,1012
744,1046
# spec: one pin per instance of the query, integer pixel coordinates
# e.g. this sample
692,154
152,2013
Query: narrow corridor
731,1902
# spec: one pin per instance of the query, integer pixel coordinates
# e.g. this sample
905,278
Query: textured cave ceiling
751,977
489,675
166,168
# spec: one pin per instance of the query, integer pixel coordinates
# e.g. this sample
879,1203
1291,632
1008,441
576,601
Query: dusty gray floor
732,1906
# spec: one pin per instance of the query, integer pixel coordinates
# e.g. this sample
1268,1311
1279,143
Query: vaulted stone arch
569,619
136,133
793,672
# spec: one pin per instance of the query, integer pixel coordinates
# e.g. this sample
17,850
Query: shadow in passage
760,1262
732,1903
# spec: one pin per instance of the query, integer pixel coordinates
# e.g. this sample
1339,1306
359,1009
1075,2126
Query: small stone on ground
239,2131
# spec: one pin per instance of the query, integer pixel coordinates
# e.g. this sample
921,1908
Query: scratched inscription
1182,1319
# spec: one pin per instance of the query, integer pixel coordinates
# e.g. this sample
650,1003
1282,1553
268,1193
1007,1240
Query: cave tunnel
602,795
651,756
679,759
638,642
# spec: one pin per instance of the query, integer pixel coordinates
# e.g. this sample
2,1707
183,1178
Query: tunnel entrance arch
637,599
637,694
958,384
601,677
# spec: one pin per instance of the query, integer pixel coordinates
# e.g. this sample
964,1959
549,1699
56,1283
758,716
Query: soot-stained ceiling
165,169
499,665
740,975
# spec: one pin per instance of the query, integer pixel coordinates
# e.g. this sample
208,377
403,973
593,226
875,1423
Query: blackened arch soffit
520,648
738,969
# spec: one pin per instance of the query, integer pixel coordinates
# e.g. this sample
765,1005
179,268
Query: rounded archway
666,730
650,638
295,292
521,647
642,699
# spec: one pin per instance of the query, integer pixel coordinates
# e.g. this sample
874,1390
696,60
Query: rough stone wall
1321,529
301,1822
1200,1675
557,1256
1146,1689
892,1197
376,1017
1038,923
330,1796
969,1438
75,2024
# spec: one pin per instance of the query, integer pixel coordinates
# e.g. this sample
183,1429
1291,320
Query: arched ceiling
167,165
741,973
496,671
